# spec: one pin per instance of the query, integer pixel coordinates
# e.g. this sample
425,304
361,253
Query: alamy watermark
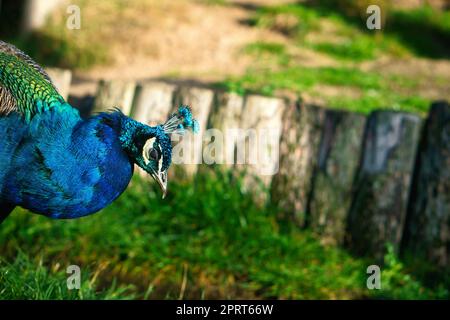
259,148
373,22
74,278
374,278
74,19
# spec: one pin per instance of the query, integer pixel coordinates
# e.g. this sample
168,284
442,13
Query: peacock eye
154,154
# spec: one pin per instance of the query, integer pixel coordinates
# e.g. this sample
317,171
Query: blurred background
207,240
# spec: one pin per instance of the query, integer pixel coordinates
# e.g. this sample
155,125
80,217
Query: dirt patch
187,39
202,42
184,39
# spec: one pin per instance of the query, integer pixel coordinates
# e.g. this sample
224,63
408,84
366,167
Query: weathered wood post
225,120
111,94
188,152
338,160
299,145
153,102
382,185
258,143
427,230
62,79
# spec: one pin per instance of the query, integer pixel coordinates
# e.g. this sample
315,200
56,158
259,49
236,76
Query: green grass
57,49
214,2
422,31
373,91
401,285
26,278
380,99
270,51
341,34
343,40
208,239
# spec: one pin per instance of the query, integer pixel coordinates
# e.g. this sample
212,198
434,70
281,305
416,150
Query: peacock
55,163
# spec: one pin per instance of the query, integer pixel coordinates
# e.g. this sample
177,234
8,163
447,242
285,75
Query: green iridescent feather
26,84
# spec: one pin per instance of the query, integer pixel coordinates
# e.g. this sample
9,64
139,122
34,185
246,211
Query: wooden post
338,160
62,79
153,102
257,150
382,185
226,119
300,139
188,153
111,94
427,231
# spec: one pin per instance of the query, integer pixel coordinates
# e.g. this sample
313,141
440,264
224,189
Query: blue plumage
61,166
55,163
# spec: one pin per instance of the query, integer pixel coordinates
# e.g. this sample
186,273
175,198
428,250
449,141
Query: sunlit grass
372,90
340,29
328,32
343,36
27,278
208,234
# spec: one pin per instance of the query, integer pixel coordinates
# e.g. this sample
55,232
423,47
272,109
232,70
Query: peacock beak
161,179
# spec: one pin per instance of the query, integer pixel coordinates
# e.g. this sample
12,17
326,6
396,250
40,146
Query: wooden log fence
258,145
427,233
299,145
114,94
225,117
382,185
337,161
153,102
354,180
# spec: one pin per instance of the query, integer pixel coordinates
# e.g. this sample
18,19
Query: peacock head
151,147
